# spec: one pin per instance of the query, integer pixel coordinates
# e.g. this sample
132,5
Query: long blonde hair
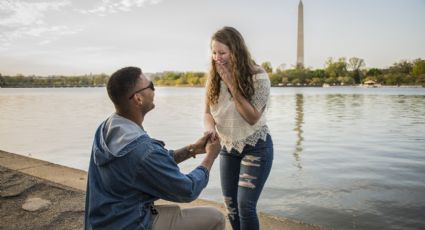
242,66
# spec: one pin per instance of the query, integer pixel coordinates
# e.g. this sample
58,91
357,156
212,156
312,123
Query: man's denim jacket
128,171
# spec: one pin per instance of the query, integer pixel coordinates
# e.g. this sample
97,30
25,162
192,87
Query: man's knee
218,219
204,217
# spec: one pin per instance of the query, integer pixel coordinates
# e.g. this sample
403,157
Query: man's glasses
150,86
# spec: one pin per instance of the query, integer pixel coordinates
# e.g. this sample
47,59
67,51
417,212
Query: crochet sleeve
262,91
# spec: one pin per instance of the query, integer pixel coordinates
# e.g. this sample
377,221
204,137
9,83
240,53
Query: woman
237,95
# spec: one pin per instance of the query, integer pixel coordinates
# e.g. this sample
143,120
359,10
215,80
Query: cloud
38,32
27,19
20,13
111,6
24,19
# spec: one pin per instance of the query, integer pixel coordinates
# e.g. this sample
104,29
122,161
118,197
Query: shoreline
24,177
201,86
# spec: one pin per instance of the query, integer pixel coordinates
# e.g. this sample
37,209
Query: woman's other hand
213,134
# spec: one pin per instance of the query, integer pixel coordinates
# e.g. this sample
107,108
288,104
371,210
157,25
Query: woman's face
220,52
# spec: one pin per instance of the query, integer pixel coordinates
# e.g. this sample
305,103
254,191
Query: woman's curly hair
242,66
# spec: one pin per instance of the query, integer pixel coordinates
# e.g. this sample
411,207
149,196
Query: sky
51,37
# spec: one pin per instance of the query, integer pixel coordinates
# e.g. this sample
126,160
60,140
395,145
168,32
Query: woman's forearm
250,114
209,123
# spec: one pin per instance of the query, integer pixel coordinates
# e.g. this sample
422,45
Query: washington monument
300,38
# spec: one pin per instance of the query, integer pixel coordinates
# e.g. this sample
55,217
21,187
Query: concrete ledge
68,179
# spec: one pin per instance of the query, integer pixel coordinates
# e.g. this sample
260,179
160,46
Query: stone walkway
31,203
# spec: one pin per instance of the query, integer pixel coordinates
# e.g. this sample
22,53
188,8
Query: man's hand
212,148
188,151
199,146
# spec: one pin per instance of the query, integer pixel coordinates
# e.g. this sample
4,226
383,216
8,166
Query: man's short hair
121,83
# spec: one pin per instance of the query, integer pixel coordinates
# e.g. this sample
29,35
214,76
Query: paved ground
36,194
60,207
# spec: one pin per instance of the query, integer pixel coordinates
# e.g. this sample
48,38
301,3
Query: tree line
21,81
336,72
351,72
170,78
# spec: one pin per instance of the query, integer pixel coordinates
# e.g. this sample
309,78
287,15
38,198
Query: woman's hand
213,134
224,71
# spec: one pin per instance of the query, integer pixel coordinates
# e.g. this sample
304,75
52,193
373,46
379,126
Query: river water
345,157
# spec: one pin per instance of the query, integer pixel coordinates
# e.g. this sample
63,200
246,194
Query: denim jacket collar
116,133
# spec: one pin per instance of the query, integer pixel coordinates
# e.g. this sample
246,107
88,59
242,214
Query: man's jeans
242,179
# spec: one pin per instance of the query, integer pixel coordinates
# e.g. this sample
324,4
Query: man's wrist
191,149
208,162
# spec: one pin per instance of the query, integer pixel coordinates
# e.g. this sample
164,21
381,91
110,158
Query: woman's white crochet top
233,130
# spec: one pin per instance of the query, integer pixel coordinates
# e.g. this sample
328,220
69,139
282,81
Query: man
129,170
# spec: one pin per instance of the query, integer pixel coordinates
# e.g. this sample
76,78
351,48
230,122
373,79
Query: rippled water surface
346,158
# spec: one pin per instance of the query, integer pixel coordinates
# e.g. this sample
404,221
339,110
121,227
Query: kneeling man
129,170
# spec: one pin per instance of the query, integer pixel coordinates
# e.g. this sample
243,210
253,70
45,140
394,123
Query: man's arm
183,154
159,175
212,149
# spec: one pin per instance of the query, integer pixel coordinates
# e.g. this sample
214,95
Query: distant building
371,84
300,36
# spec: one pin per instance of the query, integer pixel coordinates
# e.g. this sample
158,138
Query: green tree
296,82
420,80
345,80
267,66
84,81
1,81
203,80
318,77
401,67
393,78
297,76
182,80
418,67
285,80
316,81
192,79
318,73
281,68
373,72
19,80
100,80
335,69
355,64
408,80
275,79
331,80
169,78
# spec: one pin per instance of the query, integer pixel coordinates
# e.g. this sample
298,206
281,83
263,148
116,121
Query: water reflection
299,121
345,157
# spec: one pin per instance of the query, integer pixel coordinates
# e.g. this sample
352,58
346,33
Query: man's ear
139,98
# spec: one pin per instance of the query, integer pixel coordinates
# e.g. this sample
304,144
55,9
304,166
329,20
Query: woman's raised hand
224,71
